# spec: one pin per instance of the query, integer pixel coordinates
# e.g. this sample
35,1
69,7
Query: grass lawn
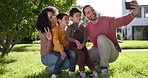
26,47
134,44
28,65
124,45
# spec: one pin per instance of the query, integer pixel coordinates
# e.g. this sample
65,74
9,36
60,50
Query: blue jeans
71,55
50,61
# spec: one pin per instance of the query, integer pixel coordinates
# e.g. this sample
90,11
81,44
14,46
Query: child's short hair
61,15
74,10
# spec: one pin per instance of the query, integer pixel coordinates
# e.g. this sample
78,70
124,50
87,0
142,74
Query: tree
18,18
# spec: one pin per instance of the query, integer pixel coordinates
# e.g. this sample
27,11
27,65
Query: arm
71,39
56,40
68,35
57,45
63,55
85,36
46,45
136,6
123,21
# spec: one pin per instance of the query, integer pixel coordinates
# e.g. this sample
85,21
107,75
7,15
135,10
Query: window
140,32
146,12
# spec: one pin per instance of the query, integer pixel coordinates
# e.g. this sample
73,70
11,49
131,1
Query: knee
101,39
73,54
113,60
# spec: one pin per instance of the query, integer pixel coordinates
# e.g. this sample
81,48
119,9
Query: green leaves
18,17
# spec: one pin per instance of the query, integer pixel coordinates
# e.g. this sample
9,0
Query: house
138,28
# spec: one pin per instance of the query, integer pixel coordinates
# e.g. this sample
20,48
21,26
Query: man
101,31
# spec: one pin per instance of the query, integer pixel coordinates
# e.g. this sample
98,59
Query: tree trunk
7,43
4,53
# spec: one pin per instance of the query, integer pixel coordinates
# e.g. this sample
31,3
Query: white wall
136,22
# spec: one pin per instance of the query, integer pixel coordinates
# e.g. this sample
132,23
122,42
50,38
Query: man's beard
93,19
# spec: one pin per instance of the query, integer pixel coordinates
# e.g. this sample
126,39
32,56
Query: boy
61,49
76,35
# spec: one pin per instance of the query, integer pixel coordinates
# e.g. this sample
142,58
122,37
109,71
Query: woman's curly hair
42,21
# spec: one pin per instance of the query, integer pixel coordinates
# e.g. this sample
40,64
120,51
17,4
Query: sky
108,7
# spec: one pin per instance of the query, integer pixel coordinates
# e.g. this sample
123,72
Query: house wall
128,31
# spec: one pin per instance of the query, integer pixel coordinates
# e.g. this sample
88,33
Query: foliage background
18,19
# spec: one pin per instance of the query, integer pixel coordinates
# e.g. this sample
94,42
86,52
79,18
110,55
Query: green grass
130,65
134,44
28,65
124,45
26,47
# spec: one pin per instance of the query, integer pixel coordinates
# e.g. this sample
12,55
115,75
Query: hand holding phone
128,5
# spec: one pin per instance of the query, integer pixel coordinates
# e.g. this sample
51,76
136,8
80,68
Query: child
76,34
61,45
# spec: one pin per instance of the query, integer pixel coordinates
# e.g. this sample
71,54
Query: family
63,46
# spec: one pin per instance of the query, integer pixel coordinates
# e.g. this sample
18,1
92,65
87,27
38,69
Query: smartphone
127,5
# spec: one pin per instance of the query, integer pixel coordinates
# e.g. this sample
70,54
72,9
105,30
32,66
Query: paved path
129,49
134,49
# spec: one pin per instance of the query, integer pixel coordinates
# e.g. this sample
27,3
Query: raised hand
136,6
48,33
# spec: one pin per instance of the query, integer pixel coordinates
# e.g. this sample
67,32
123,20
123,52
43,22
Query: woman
45,23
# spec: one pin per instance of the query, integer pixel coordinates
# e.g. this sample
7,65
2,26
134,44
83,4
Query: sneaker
95,75
71,73
54,76
104,72
82,75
